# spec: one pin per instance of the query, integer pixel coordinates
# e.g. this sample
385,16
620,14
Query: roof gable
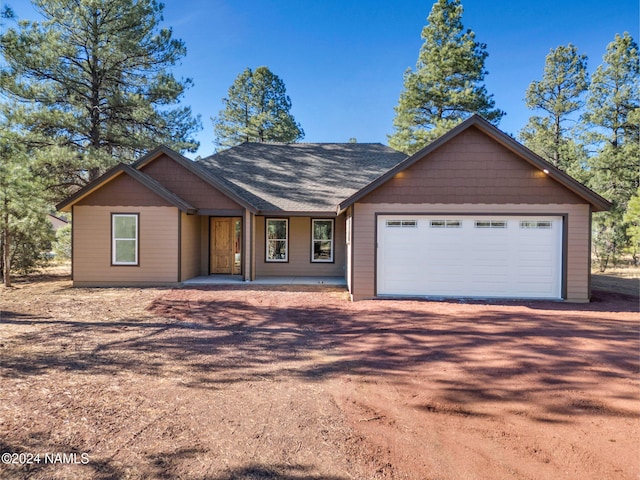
472,168
196,173
470,176
116,174
188,185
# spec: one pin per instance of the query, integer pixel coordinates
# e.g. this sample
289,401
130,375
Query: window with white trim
544,224
277,237
402,223
491,224
322,240
445,224
124,238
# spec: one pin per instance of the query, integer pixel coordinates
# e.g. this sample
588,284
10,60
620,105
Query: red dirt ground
240,383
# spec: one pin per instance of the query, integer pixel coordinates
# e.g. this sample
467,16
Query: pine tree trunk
6,263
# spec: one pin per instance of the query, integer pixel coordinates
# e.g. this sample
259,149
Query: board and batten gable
473,174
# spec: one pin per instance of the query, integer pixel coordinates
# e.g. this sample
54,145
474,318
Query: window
546,224
322,240
402,223
491,224
277,240
124,233
445,224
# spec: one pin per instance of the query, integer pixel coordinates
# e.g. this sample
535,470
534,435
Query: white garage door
470,256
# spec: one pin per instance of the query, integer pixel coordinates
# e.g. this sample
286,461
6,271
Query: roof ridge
308,143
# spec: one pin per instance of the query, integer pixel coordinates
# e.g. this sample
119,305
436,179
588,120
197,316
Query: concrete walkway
237,279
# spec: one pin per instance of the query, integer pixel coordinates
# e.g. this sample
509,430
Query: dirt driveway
237,383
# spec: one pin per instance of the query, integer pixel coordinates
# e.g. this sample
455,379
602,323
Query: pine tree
632,220
613,115
559,93
25,233
257,109
613,112
90,84
446,86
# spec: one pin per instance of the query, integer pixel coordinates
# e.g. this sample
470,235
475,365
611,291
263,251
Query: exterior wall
472,168
349,247
158,246
577,231
247,251
254,246
299,263
187,185
190,246
124,190
204,245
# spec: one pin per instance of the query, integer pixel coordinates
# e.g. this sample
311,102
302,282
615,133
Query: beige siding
578,248
349,247
204,245
253,258
247,264
190,248
299,263
578,254
158,246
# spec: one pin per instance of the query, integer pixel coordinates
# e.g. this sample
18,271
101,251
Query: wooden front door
226,241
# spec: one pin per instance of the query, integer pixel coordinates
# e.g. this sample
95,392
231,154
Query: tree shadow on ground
217,338
31,461
615,284
267,472
174,464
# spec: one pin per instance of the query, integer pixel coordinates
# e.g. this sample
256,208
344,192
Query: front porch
204,280
218,250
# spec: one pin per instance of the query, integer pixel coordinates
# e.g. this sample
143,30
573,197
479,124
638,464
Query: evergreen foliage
257,109
559,94
447,84
62,243
632,220
90,85
25,232
613,119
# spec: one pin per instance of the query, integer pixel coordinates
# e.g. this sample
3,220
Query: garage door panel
445,265
484,254
538,272
508,257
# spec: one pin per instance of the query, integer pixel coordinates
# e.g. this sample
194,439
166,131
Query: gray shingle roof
300,177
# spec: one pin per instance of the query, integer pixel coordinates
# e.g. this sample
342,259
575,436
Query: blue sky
343,61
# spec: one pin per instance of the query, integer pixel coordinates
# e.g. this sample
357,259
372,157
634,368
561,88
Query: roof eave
297,213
